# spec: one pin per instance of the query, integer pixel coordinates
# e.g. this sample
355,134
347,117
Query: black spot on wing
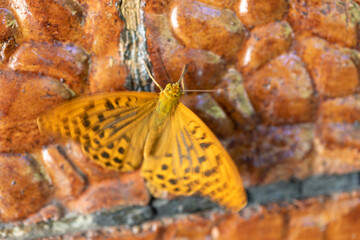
101,135
159,176
90,106
105,154
95,128
205,145
101,117
202,159
109,105
173,181
121,150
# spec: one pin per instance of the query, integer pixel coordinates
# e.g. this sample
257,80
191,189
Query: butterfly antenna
218,91
182,77
162,63
152,78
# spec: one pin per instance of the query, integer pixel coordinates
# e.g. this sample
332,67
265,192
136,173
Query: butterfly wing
187,158
111,127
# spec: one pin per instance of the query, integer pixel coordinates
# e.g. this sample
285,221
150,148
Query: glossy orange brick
24,189
127,190
102,27
233,97
23,97
337,148
340,110
157,7
52,211
316,218
338,135
325,218
201,26
161,45
107,74
265,42
281,91
204,71
335,21
220,4
48,20
255,12
65,62
168,56
331,67
67,182
266,225
271,154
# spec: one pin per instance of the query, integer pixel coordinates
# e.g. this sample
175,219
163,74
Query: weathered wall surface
289,119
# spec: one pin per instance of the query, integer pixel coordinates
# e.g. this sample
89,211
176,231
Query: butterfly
177,152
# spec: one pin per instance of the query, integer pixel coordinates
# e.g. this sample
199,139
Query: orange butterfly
178,152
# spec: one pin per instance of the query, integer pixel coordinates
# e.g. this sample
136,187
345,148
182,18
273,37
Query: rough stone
265,42
281,91
332,69
65,62
24,188
202,26
255,12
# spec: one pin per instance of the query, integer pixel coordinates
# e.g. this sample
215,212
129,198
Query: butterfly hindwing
111,127
187,158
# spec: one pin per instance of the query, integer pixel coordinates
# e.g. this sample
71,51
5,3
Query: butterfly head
173,90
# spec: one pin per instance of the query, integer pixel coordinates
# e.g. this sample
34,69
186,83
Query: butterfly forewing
187,158
111,127
179,152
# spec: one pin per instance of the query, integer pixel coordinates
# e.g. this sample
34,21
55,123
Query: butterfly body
167,102
176,151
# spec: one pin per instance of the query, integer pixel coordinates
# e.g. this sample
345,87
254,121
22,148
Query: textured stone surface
255,12
24,188
128,190
337,139
317,218
7,24
290,107
265,42
23,97
85,186
107,74
65,62
48,20
201,26
336,21
281,91
332,69
272,154
66,180
235,100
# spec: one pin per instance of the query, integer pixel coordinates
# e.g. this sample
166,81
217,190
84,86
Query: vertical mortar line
132,46
63,153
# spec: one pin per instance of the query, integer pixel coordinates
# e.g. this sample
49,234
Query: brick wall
289,118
